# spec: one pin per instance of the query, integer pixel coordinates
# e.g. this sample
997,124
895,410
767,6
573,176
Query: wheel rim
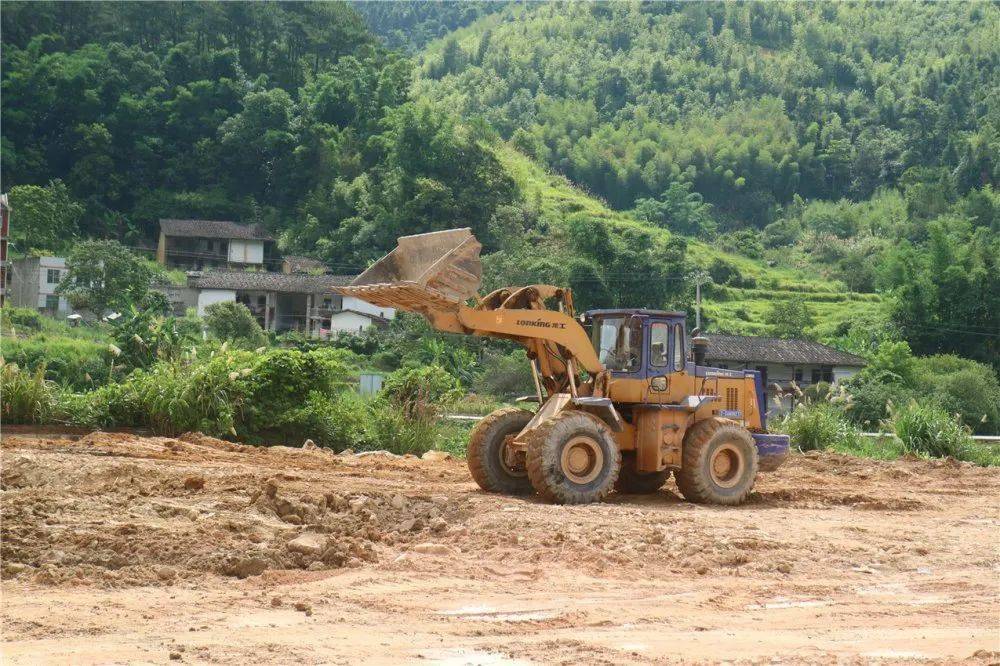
508,459
582,459
726,466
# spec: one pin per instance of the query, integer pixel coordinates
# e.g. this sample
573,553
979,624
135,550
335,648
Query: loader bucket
438,269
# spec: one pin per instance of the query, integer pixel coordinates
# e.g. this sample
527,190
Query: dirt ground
123,549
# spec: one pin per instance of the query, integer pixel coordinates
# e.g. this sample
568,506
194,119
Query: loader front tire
487,455
719,463
633,482
573,459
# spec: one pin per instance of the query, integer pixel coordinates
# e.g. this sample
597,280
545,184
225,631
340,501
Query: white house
289,301
781,362
33,283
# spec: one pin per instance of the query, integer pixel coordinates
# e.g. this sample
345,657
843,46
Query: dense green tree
789,319
103,275
233,322
47,217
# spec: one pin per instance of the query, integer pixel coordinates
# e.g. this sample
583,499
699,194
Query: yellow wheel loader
621,407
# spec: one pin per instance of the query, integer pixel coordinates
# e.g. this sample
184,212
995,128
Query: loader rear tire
633,482
486,453
719,463
573,459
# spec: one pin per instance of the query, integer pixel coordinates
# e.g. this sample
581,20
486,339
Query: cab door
658,353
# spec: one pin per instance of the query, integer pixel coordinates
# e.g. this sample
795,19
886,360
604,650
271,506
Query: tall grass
25,396
928,430
818,426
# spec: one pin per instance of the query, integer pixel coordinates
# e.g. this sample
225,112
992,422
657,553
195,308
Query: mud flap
603,409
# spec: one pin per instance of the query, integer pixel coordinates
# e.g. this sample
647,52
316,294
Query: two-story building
33,282
204,244
288,301
781,362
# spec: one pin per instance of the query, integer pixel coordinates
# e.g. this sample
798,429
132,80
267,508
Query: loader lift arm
434,274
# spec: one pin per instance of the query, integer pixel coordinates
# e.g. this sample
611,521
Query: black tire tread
547,487
476,452
689,479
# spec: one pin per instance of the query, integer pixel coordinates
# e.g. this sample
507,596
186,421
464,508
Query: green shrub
505,375
234,322
964,387
394,428
420,389
70,362
27,397
175,397
337,422
20,320
929,430
818,426
278,381
870,400
142,338
274,395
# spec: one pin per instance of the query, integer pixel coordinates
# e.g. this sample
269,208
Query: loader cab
638,344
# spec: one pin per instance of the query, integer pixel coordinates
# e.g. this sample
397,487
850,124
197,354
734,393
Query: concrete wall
29,283
352,303
181,297
246,251
208,297
349,322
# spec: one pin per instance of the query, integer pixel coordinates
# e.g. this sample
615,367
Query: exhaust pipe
699,346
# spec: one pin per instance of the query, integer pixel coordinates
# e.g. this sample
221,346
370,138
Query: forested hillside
287,114
409,26
855,142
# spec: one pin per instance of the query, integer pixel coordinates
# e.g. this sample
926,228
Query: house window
823,373
327,303
51,302
52,275
797,374
762,369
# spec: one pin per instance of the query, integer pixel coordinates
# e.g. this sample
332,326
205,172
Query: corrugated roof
291,283
213,229
749,349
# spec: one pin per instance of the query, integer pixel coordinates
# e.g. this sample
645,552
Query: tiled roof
213,229
749,349
291,283
374,317
300,264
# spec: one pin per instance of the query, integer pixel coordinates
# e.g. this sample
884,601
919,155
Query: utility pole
699,278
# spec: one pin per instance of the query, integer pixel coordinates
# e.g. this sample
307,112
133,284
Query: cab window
618,343
658,341
678,347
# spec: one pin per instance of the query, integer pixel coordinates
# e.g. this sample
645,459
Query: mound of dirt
117,519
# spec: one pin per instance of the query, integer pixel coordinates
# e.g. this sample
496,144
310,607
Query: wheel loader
624,396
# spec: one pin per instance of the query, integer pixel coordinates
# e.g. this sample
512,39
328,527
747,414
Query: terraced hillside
728,308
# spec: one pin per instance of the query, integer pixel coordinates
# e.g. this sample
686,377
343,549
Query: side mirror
658,383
